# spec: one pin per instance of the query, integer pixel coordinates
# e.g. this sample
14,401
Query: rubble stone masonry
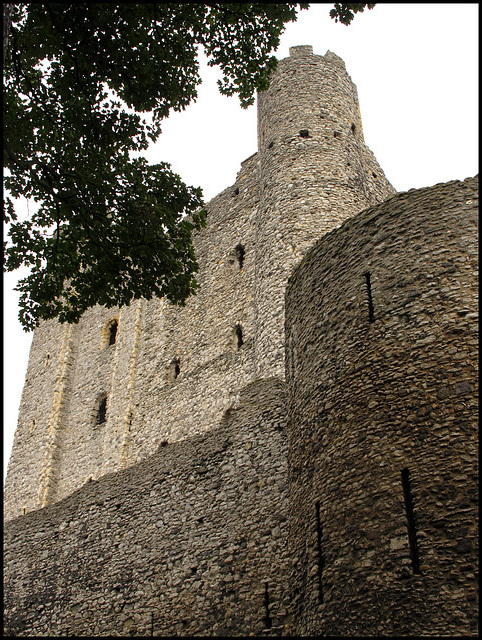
174,473
381,343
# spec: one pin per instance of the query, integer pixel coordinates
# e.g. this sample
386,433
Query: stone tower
381,348
105,393
315,172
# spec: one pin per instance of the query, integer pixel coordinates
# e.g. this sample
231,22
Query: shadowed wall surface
381,330
191,541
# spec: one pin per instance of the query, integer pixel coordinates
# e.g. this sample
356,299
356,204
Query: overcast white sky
416,70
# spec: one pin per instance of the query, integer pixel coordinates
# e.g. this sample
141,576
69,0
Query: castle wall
146,404
191,541
377,534
170,516
201,335
315,172
382,377
98,370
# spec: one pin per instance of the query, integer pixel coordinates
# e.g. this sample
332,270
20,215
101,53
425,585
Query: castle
294,452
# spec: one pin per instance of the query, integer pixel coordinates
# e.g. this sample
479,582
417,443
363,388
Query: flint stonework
294,451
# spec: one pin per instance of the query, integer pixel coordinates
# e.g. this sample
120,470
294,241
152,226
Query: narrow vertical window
319,551
101,411
267,617
371,315
112,332
240,255
239,336
174,370
129,420
411,526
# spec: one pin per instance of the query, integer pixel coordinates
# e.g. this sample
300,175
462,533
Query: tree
86,87
345,13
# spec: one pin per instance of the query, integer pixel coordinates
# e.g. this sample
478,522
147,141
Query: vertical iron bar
371,313
411,525
321,560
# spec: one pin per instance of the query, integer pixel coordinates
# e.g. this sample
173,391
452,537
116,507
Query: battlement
300,51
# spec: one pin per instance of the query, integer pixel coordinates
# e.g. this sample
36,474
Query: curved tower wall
381,349
315,172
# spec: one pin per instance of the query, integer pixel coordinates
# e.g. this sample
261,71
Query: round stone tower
315,172
381,355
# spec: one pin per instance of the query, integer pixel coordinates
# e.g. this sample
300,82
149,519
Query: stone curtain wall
382,463
190,541
315,172
382,376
